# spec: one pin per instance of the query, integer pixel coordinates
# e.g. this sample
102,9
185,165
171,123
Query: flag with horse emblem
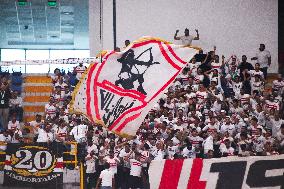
122,87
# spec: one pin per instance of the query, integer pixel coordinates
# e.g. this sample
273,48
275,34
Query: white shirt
90,164
50,110
106,176
262,58
253,73
224,149
79,71
19,133
79,132
13,126
44,136
135,168
92,148
113,163
186,40
6,139
61,133
16,101
189,153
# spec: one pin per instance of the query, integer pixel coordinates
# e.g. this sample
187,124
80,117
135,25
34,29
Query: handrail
73,152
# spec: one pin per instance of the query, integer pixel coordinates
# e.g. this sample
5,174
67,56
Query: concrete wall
235,27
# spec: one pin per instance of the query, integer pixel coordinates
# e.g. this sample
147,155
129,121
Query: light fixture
22,2
51,3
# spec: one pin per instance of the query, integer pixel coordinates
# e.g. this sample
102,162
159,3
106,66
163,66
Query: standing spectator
79,70
79,132
244,67
186,39
263,57
135,180
16,106
13,124
45,134
50,108
91,169
5,96
106,179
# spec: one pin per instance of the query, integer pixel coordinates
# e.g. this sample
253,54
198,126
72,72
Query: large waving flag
119,91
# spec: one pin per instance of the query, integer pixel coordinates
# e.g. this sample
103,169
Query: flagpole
114,24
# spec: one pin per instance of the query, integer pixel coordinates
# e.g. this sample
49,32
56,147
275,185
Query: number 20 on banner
33,161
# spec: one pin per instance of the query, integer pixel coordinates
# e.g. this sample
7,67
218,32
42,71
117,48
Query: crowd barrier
223,173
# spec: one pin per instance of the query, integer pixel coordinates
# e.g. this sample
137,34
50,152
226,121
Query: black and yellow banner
33,165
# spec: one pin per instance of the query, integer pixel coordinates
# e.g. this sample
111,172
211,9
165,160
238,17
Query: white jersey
258,86
13,126
237,87
79,71
113,163
195,140
17,133
135,168
50,110
253,73
90,164
60,133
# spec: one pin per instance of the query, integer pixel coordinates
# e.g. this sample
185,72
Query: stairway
37,89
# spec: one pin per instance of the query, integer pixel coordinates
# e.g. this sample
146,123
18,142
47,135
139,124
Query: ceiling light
67,13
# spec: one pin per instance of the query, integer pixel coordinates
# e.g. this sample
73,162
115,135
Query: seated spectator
4,139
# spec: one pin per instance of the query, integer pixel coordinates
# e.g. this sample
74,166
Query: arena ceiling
35,24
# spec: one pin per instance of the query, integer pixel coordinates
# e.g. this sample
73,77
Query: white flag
120,91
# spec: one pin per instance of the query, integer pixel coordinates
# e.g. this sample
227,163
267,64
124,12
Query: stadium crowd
216,107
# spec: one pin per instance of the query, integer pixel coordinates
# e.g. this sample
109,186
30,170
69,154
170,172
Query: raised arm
197,35
223,60
176,37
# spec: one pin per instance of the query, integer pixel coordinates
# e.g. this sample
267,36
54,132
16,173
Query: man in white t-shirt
79,132
106,179
186,39
45,134
135,180
263,57
113,162
90,162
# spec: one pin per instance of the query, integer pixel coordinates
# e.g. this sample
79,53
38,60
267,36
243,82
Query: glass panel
12,54
61,54
37,54
43,68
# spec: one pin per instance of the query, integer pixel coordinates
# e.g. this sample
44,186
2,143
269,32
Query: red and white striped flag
218,173
120,91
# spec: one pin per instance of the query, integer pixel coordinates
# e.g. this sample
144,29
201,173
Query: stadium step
36,93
